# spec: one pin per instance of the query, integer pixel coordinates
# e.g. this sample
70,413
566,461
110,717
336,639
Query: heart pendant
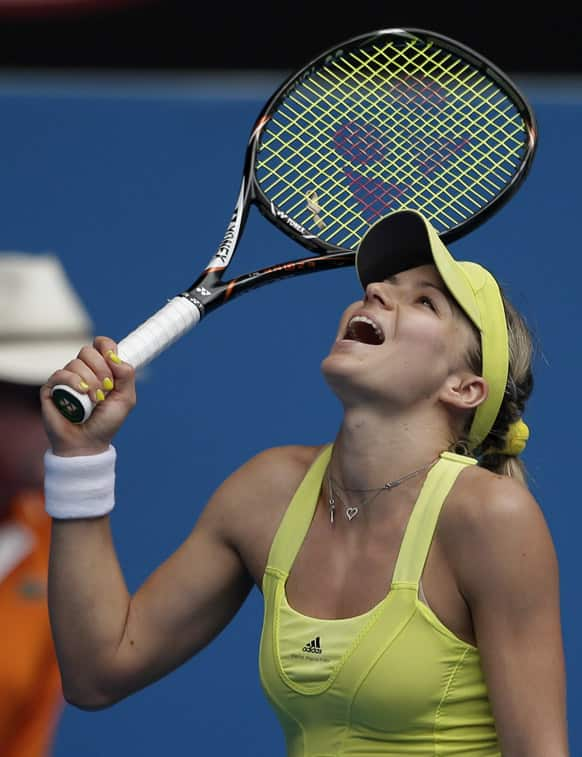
351,512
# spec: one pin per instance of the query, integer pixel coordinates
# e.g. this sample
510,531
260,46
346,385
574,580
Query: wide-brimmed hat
405,239
43,322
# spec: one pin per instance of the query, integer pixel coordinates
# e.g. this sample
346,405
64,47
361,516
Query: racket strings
467,102
386,127
431,157
350,174
431,149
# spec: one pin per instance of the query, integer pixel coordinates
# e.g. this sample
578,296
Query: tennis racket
396,118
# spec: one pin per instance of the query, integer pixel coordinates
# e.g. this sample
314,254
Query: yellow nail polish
83,386
99,395
107,384
114,358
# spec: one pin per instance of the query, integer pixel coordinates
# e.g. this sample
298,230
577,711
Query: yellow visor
405,239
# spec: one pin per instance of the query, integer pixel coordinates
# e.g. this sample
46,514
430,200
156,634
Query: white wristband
80,487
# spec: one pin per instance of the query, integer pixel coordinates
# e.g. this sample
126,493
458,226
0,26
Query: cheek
430,336
431,352
466,343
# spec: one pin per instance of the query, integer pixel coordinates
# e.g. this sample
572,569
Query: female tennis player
434,624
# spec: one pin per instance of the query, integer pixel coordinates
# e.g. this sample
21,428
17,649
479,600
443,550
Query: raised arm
508,572
110,644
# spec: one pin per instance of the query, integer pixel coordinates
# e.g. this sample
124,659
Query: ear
464,391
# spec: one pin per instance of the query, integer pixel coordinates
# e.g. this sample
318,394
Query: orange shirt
30,686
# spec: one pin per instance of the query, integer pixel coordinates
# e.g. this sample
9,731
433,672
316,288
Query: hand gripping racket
397,118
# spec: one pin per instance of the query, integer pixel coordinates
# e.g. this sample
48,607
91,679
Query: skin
491,574
23,443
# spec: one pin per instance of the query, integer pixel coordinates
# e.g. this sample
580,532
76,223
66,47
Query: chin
332,365
338,375
342,357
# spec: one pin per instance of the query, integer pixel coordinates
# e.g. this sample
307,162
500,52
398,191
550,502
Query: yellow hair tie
516,439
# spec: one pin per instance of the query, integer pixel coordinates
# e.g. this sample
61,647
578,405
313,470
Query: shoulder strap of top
422,522
299,514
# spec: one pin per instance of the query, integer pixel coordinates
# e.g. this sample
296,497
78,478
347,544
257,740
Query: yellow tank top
393,681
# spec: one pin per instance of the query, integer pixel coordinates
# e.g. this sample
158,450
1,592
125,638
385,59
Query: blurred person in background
42,323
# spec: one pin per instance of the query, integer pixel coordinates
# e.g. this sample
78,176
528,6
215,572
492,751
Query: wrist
80,486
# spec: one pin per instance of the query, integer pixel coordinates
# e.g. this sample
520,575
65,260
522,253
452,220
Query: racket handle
139,348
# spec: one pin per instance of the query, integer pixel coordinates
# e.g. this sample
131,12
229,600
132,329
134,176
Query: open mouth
363,329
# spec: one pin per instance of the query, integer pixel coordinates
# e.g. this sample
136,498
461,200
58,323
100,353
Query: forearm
88,599
89,605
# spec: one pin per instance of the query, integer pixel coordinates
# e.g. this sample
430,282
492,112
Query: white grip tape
138,348
158,332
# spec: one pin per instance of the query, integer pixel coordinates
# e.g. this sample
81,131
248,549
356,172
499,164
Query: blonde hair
517,391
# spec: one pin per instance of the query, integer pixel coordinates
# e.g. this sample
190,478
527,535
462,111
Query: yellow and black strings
385,126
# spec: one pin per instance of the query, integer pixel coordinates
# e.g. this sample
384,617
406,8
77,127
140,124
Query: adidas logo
314,646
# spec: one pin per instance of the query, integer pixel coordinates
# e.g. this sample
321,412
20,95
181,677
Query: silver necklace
352,511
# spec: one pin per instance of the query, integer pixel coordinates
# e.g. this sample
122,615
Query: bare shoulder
491,526
246,509
501,553
270,475
481,498
265,478
291,460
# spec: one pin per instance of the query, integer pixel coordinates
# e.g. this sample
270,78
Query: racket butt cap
73,405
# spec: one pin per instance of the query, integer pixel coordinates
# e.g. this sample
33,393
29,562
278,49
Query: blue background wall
131,184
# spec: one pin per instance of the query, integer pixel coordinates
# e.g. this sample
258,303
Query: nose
380,293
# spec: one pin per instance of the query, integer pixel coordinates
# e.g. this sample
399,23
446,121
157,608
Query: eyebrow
441,289
419,284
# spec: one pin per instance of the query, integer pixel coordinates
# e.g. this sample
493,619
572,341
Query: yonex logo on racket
225,247
289,221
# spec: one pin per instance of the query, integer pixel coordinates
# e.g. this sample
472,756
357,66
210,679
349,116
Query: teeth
369,321
371,333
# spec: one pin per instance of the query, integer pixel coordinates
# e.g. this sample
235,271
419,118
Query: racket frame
209,290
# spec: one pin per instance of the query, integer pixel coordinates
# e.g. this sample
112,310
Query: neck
370,450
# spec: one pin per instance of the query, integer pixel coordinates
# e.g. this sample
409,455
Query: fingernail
83,386
99,395
114,357
107,384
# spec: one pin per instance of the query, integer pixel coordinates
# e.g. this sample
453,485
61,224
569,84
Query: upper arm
508,573
189,599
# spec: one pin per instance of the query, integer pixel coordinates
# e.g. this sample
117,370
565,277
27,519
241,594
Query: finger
123,373
97,364
89,381
75,374
124,391
80,379
105,344
62,377
88,373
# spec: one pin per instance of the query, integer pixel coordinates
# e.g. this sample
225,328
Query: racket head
392,119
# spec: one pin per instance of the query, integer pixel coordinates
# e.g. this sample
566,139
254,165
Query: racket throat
206,292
